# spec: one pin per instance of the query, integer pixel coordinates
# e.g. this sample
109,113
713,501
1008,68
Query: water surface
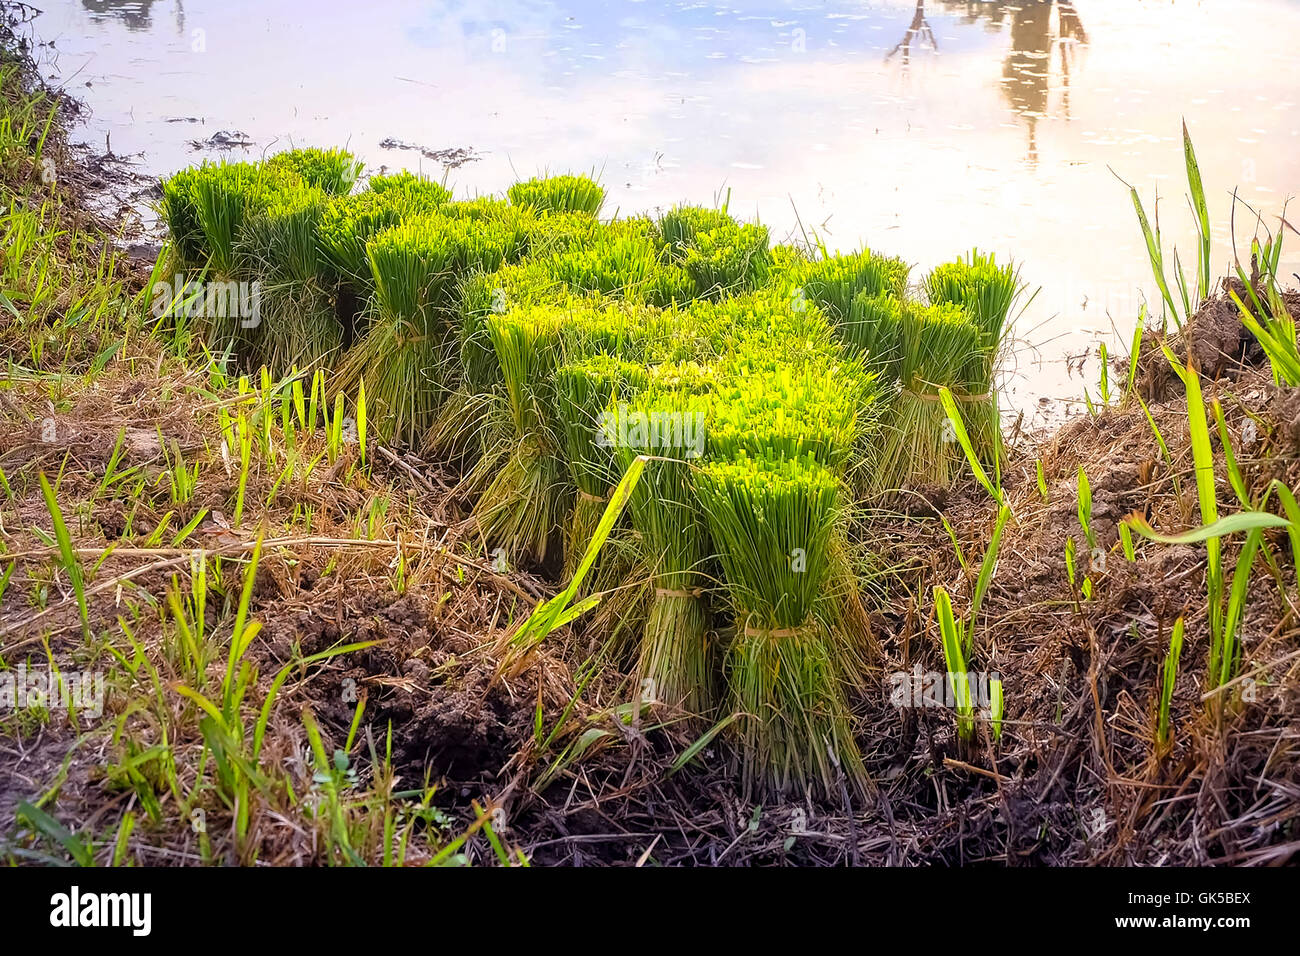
920,129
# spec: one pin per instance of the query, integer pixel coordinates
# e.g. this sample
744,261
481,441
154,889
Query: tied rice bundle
525,499
584,390
834,282
987,292
938,346
675,657
773,522
559,194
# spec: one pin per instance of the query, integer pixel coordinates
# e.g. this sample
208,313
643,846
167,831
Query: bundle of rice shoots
527,497
584,392
988,292
559,194
627,266
769,408
226,197
871,331
349,222
402,357
280,245
675,654
728,260
418,192
179,210
679,226
773,521
938,346
834,281
333,171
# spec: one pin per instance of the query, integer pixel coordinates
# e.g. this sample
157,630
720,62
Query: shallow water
918,129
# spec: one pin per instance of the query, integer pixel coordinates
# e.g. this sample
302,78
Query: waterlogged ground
920,129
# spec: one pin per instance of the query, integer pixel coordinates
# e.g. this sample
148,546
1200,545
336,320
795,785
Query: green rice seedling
525,501
950,632
1268,317
938,348
67,554
679,226
833,282
558,194
1104,384
583,391
773,521
1126,542
1168,677
333,171
668,423
1135,352
1041,478
179,210
1191,299
1085,509
625,265
872,330
298,324
997,707
727,260
987,292
403,354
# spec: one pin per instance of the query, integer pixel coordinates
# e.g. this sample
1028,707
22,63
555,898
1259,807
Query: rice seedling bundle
349,222
623,265
728,259
280,245
773,522
418,192
771,408
225,194
526,499
987,291
675,654
872,331
401,358
179,210
334,171
226,197
938,346
559,194
767,321
834,281
585,389
678,227
526,283
559,232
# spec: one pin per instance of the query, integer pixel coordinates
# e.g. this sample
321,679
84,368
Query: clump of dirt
1214,338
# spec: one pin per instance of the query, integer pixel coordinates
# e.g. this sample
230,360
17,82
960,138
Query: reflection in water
1038,29
1035,35
134,13
918,29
